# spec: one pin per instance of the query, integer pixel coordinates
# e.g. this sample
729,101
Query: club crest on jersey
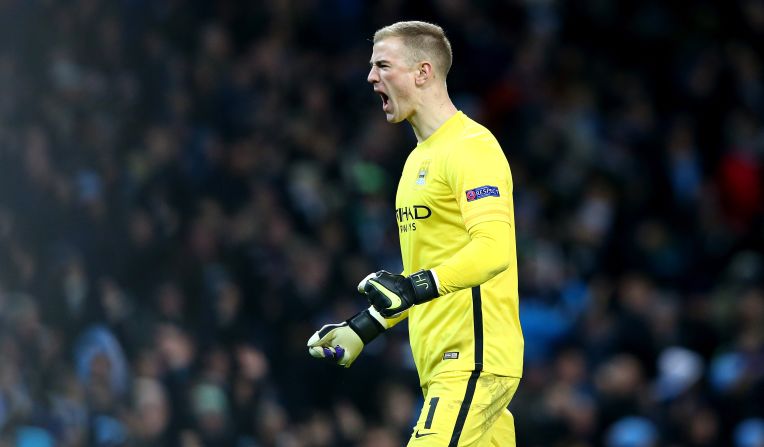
422,175
483,191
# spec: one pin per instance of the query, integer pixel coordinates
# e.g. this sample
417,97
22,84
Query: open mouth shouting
385,100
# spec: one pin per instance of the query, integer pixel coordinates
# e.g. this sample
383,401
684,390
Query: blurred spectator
750,433
632,432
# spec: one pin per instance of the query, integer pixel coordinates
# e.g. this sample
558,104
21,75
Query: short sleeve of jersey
479,176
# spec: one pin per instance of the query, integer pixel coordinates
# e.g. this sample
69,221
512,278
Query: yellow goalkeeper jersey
455,179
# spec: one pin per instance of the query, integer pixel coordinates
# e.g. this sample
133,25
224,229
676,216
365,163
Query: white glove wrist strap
378,316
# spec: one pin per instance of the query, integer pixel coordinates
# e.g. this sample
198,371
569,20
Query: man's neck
430,115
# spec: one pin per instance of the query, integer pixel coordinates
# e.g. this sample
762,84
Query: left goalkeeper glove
343,342
392,294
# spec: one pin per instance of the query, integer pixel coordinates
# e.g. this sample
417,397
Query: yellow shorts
463,408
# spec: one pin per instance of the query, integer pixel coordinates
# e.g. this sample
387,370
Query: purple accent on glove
335,353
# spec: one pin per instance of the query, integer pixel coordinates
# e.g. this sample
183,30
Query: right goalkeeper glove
343,342
392,294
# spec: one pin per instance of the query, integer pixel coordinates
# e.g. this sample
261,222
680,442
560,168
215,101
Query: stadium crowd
188,189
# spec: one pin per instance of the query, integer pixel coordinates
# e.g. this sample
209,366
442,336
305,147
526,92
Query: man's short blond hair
424,41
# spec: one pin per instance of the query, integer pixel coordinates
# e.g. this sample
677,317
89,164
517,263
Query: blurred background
189,189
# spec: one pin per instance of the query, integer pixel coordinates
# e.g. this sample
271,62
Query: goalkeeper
456,227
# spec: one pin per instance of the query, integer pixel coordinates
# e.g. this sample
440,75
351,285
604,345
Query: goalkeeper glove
343,342
392,294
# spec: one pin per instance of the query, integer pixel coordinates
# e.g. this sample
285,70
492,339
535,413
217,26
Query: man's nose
372,77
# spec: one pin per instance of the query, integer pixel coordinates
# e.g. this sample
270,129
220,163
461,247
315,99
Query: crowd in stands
189,189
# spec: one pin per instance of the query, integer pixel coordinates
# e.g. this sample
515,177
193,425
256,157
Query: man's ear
424,72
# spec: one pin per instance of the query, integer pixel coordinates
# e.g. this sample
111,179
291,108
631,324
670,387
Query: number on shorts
431,412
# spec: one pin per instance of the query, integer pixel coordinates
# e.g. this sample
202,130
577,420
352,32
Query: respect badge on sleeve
482,191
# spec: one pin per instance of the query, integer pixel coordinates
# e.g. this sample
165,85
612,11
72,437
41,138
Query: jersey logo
483,191
419,435
422,175
450,355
